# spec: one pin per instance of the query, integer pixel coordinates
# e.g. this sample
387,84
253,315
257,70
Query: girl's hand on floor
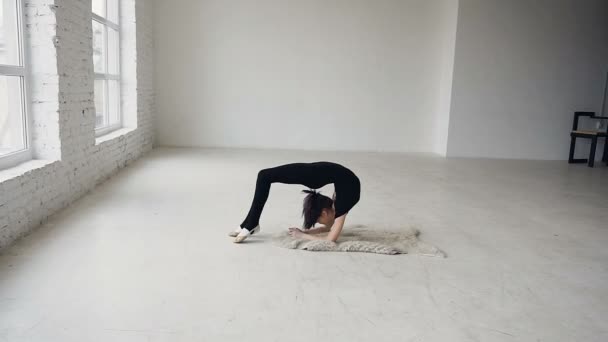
295,232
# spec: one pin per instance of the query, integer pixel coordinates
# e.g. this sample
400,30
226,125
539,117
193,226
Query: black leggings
280,174
312,175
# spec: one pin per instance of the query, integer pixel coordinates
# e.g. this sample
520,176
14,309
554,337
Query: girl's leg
262,190
288,174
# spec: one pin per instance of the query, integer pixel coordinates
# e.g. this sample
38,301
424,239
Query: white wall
314,74
447,23
70,161
521,69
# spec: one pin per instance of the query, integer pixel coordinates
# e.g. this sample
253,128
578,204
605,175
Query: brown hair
313,206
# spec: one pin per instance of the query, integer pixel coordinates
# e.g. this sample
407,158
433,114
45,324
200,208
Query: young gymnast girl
331,213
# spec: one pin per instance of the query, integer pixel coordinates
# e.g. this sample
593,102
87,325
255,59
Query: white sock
244,232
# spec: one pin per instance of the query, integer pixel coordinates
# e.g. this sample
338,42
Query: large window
106,61
13,119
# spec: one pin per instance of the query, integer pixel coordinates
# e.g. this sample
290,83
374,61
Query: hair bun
310,192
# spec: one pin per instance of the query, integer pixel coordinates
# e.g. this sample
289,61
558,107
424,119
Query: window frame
23,72
108,24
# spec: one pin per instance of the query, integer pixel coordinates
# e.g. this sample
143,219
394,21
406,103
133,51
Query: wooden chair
593,135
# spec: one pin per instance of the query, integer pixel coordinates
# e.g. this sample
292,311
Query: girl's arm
316,230
333,235
311,231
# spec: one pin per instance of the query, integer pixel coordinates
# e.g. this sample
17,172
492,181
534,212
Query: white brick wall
63,113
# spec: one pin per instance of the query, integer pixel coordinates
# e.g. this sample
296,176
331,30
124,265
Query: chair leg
572,145
592,152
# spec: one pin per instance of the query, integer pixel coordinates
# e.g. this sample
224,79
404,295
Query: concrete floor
145,257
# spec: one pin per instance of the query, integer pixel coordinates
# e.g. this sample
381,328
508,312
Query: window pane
99,7
9,33
99,33
12,137
113,11
114,102
113,52
100,103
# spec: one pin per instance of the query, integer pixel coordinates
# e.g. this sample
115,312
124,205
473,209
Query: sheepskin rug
366,240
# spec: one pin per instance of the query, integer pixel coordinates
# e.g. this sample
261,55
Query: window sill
13,159
23,168
113,135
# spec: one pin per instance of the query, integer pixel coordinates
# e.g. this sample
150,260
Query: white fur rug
367,240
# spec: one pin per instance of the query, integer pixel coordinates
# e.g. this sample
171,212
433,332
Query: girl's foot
235,233
244,234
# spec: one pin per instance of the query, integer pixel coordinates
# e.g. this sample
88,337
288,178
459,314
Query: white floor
145,257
